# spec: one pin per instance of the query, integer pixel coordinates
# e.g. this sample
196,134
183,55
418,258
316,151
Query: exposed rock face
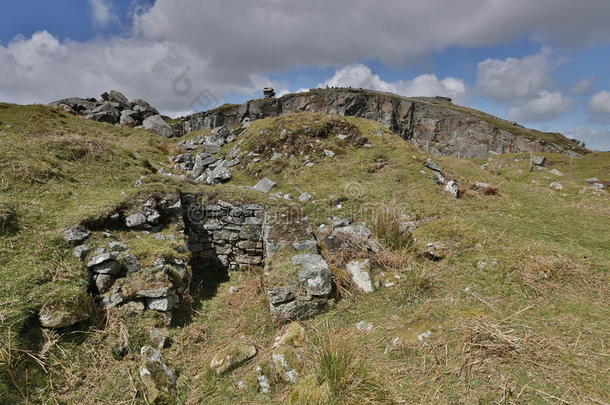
433,125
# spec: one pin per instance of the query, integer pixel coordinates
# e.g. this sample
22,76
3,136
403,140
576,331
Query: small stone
432,165
364,326
556,186
233,290
439,179
163,304
103,282
305,197
435,251
276,156
360,270
452,188
107,235
232,356
292,335
159,337
556,172
135,220
100,258
130,263
61,316
76,235
81,251
108,267
159,379
329,153
264,185
117,246
538,160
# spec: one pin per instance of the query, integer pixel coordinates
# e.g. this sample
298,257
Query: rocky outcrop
114,108
437,126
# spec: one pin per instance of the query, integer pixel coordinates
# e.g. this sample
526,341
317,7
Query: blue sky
546,65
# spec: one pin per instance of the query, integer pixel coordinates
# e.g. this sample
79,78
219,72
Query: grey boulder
157,124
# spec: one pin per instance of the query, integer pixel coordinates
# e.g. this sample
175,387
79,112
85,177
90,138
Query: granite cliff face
437,126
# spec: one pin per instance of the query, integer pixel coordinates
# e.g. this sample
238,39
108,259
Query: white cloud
101,12
545,106
600,103
599,108
582,87
512,79
227,54
597,139
360,75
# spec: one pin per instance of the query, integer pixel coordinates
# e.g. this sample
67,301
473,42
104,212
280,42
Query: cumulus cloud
101,12
597,139
582,87
360,75
173,77
545,106
513,79
229,55
599,107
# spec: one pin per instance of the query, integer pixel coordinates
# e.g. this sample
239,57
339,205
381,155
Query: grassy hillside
516,310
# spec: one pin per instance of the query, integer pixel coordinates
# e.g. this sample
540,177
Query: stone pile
114,108
204,166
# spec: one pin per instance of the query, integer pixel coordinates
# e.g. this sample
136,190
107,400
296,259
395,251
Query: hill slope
512,307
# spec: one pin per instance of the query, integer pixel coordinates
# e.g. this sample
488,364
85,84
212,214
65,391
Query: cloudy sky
544,63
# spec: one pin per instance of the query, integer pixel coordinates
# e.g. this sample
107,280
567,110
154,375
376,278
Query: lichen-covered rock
157,124
264,185
62,315
452,188
233,356
314,276
81,251
286,361
360,270
158,377
76,235
352,237
293,335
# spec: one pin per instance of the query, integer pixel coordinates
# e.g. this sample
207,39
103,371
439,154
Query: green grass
528,327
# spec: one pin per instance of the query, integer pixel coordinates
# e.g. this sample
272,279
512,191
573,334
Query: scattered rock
76,235
439,179
286,360
305,197
264,185
81,251
232,356
329,153
117,246
100,258
293,335
556,186
556,172
364,326
158,377
103,282
135,220
117,97
452,188
485,188
435,251
538,160
158,337
352,237
61,315
432,165
361,276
